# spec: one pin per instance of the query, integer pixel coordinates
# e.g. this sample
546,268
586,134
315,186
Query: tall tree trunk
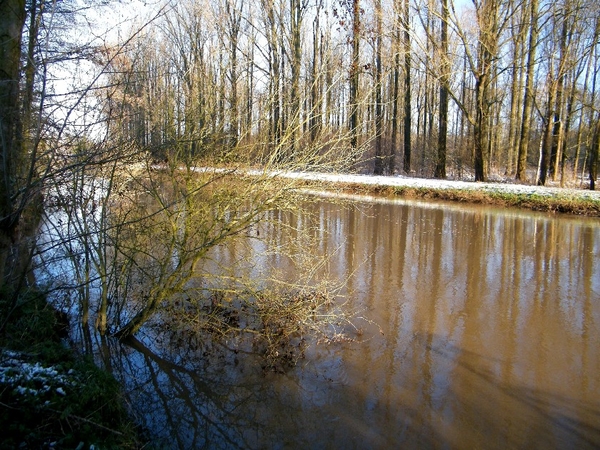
516,93
275,128
567,126
12,20
395,93
407,89
480,130
234,17
548,138
354,74
250,87
486,56
528,96
440,167
296,29
378,94
588,70
315,82
594,151
557,123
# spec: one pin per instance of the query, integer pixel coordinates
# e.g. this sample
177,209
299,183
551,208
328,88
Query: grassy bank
567,203
545,199
49,396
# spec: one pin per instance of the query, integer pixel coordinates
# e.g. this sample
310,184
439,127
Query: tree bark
548,140
594,151
440,167
528,96
354,74
407,89
12,20
378,94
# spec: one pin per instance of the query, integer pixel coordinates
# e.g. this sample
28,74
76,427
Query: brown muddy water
480,329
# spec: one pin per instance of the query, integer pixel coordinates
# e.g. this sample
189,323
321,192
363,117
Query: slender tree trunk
440,167
557,122
548,138
516,95
250,88
407,89
275,127
564,145
594,151
234,117
354,74
480,131
528,97
315,84
486,57
378,94
579,143
296,28
35,12
395,100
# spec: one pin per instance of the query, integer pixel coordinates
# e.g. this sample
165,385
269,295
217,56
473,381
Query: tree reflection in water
482,332
184,396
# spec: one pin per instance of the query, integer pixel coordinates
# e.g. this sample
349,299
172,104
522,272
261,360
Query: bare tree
378,91
528,96
407,89
440,167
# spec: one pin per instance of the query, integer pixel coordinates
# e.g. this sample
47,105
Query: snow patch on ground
413,182
32,379
410,182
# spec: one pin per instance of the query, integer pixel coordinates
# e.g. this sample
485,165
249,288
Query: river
475,328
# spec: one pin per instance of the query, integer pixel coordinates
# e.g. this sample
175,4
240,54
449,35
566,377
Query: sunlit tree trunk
564,144
516,92
296,18
272,35
399,24
557,125
440,167
548,139
407,89
315,110
487,16
378,93
588,71
234,17
594,151
528,96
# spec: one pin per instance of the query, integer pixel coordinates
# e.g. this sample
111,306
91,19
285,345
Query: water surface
480,329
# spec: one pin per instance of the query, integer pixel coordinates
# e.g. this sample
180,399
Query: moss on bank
50,397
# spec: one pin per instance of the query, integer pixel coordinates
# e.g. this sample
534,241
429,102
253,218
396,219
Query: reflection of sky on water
480,329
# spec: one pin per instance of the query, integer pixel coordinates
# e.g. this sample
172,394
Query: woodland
108,110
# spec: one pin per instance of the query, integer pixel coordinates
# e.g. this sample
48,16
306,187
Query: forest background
111,113
106,118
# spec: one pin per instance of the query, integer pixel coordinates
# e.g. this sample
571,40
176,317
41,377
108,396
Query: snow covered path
401,181
412,182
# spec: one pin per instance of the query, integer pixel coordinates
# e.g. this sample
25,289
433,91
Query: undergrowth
273,324
50,397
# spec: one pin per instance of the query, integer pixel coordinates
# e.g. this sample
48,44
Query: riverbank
537,198
51,397
552,199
